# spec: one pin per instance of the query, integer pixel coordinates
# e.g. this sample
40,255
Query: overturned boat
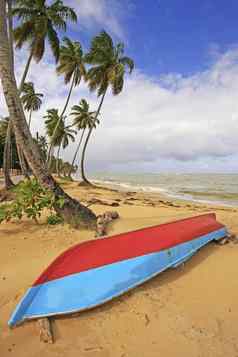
94,272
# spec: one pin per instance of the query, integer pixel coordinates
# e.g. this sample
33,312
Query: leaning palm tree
41,141
7,143
71,65
108,70
71,210
6,136
62,136
52,119
39,22
31,100
66,136
83,119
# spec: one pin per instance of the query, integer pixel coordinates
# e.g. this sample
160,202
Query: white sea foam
206,188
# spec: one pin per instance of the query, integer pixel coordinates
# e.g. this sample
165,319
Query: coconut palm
108,69
53,120
31,100
42,144
82,119
39,22
67,135
71,65
10,31
71,210
62,136
6,137
11,150
7,143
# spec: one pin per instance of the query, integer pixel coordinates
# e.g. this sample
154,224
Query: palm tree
108,70
12,159
7,144
42,144
71,210
67,135
10,31
63,134
6,135
31,100
39,22
71,65
53,120
83,119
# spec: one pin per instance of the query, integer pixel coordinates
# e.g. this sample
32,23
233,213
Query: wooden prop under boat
94,272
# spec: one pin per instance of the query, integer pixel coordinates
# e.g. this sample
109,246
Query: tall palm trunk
85,180
26,70
57,160
7,158
76,152
72,210
7,147
10,32
30,117
50,155
22,161
21,156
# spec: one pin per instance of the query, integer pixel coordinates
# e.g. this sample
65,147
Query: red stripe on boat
99,252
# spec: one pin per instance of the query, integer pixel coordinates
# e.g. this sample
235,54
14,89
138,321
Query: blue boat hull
84,290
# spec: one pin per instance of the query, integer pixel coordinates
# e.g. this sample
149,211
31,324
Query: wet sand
190,311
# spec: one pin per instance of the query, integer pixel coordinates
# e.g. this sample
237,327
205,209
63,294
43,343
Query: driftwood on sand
103,220
46,334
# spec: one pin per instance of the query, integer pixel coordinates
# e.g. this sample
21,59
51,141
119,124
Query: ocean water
208,188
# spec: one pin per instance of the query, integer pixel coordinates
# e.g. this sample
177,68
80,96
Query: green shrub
54,219
31,199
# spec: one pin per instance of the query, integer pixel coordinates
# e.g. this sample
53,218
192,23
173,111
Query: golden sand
190,311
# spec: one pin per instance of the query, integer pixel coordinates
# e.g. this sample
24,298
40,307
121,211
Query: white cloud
174,123
106,14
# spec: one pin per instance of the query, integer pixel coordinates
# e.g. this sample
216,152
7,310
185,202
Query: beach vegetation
30,201
54,219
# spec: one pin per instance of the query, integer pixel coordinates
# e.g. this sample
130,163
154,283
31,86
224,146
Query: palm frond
23,33
53,41
39,21
108,65
127,61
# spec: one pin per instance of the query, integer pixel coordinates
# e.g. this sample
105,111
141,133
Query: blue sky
179,36
165,36
179,109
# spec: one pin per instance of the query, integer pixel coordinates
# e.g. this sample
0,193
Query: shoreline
123,187
151,190
163,194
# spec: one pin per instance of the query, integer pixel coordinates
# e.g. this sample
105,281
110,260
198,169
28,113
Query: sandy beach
190,311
